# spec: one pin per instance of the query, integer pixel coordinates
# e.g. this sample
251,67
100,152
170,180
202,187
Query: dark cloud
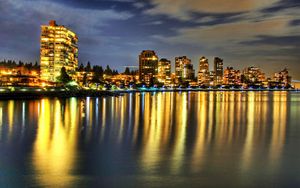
283,4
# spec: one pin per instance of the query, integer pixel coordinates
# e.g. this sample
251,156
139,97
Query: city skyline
262,33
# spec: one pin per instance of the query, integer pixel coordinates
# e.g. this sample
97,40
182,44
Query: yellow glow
279,127
249,142
199,148
180,133
54,147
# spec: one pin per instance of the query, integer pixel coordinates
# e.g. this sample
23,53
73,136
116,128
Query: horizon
263,33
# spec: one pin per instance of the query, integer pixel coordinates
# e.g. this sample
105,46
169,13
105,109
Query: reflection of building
164,70
203,73
282,78
218,68
58,49
148,61
253,75
231,76
184,68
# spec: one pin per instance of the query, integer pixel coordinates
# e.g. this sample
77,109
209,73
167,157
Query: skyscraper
148,62
184,68
164,70
188,73
203,73
218,68
58,49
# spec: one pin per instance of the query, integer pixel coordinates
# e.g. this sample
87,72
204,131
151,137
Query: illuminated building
83,77
184,68
282,78
211,77
218,68
188,72
58,49
148,61
231,76
203,73
19,75
253,76
164,70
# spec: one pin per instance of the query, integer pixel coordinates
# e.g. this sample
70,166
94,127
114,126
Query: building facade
188,73
164,70
231,76
148,65
203,73
253,76
283,78
184,68
58,49
218,69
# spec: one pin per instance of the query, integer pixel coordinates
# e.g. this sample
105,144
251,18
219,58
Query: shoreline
38,94
15,95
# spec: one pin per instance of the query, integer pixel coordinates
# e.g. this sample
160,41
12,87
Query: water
188,139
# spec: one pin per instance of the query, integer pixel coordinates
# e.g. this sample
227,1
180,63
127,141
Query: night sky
264,33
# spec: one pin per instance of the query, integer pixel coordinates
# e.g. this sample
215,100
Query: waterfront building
148,62
83,78
253,76
164,70
231,76
58,48
203,73
218,69
282,78
188,73
211,78
12,74
184,68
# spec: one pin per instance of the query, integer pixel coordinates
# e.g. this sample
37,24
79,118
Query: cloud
224,34
183,9
21,20
139,4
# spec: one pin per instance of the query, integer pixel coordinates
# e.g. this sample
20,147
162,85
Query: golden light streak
180,133
278,128
54,149
249,142
200,142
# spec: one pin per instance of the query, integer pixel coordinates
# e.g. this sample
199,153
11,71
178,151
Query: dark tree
88,67
81,67
108,70
127,71
98,73
64,77
84,80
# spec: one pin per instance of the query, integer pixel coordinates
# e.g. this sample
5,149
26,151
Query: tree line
14,64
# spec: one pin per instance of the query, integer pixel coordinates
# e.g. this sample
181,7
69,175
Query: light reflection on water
240,139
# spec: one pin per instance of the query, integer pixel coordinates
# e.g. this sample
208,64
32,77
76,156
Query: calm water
208,139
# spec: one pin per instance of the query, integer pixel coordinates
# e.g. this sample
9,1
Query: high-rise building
184,68
218,68
164,70
203,73
188,73
58,49
231,76
148,62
